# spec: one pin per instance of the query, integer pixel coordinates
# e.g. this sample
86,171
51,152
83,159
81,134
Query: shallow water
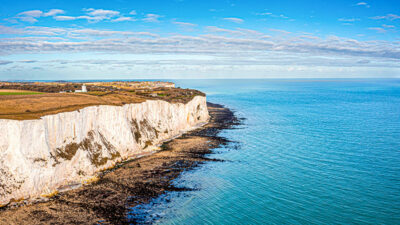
309,152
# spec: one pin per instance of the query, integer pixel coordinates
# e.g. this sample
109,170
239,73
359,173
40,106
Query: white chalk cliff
37,157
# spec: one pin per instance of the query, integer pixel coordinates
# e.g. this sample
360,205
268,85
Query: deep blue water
309,152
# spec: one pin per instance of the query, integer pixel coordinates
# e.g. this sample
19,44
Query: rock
37,157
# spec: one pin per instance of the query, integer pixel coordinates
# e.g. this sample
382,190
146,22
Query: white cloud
184,24
27,61
388,17
223,48
54,12
105,33
152,18
348,19
264,14
249,32
31,13
214,29
96,15
123,18
280,31
4,62
92,15
273,15
388,26
44,31
102,13
363,4
100,33
364,61
64,18
29,16
235,20
377,29
9,30
382,29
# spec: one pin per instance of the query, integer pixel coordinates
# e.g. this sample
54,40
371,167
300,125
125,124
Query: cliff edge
43,156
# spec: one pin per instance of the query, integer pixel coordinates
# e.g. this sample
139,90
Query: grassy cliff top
20,104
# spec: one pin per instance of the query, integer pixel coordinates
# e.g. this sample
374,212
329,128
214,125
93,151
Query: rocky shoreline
131,183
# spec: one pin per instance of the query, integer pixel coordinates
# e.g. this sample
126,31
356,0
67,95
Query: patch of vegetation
39,160
148,143
20,93
94,149
68,151
97,93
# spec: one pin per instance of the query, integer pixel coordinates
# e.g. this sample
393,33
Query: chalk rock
39,156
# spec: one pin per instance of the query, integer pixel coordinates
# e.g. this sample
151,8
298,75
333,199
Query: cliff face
38,157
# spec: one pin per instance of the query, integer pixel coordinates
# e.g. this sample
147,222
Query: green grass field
20,93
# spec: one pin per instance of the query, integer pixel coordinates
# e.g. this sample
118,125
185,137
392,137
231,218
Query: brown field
11,90
23,107
26,100
18,92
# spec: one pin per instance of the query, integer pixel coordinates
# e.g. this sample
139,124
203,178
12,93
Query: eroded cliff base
129,184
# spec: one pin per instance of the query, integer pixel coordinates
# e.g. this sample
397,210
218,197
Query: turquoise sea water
309,152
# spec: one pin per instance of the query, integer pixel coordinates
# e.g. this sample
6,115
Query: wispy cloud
215,29
388,17
105,33
9,30
282,16
249,32
27,61
185,24
213,45
33,15
377,29
29,16
95,15
100,33
152,18
216,10
102,13
123,18
92,15
5,62
54,12
363,4
264,14
280,31
388,26
363,61
385,28
348,19
235,20
64,18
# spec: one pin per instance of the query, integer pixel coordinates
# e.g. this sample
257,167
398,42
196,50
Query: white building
83,89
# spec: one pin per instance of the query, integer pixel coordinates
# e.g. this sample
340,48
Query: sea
310,151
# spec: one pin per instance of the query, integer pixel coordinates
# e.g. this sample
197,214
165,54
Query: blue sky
198,39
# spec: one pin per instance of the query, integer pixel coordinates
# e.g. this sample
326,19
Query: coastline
131,183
